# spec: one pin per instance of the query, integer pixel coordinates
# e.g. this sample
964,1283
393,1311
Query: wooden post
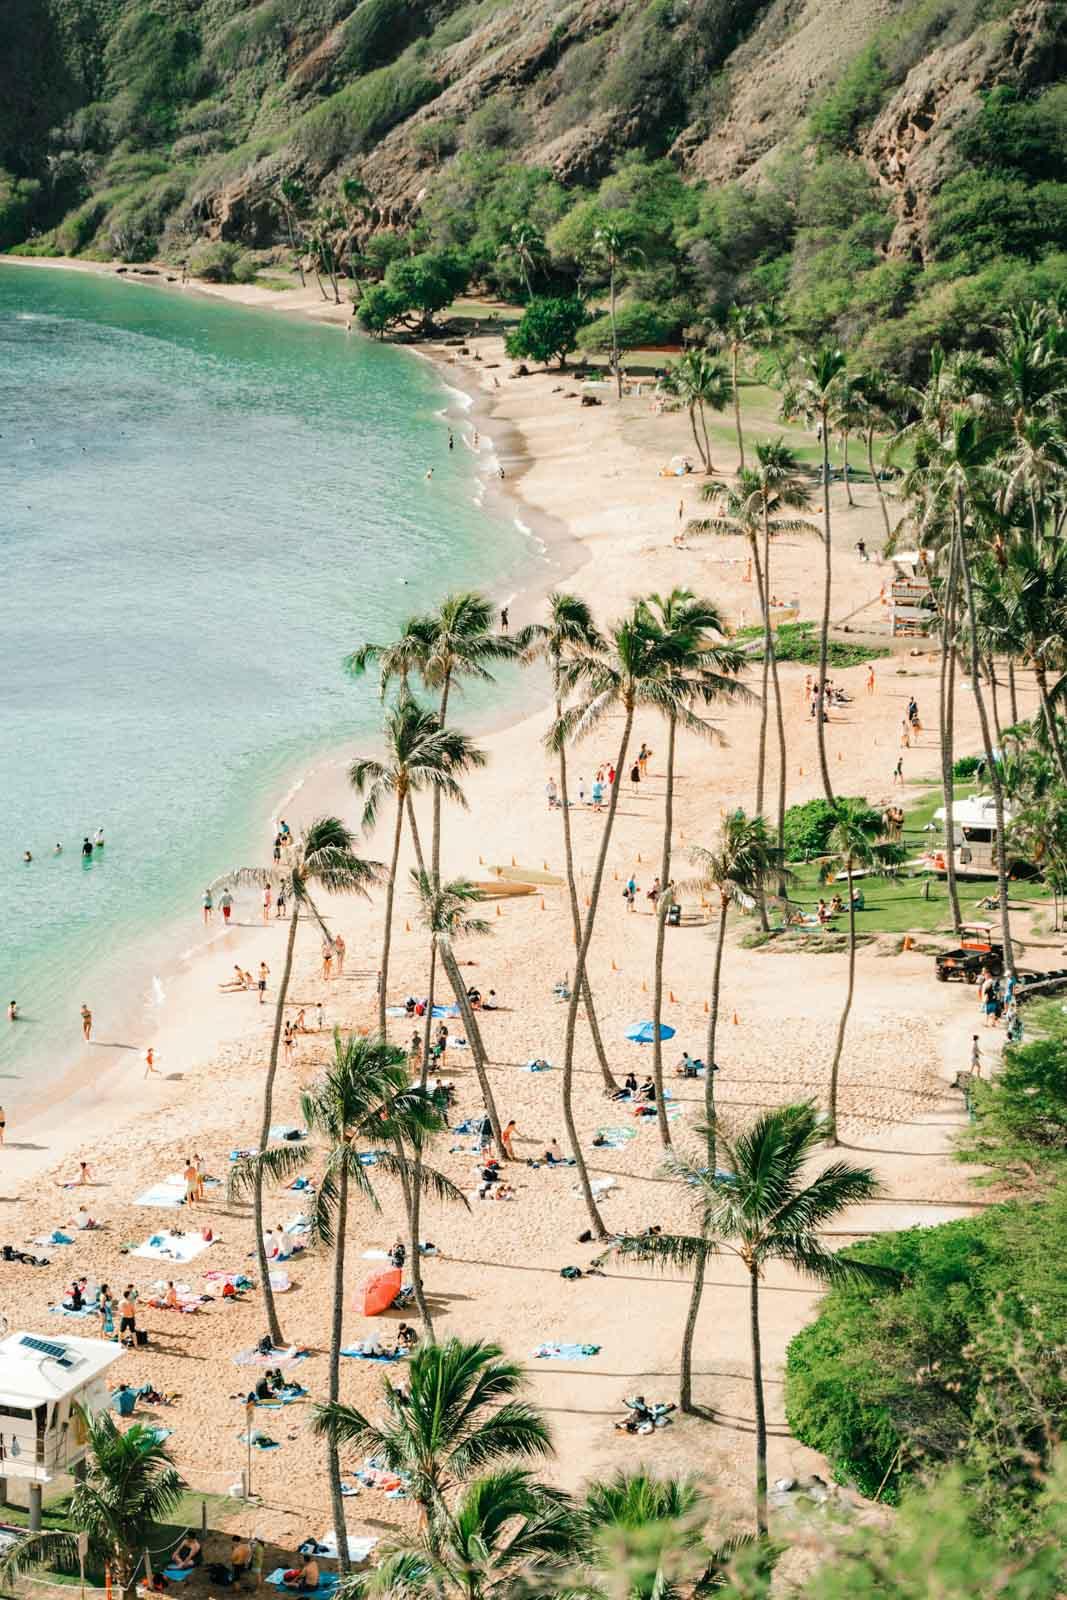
35,1508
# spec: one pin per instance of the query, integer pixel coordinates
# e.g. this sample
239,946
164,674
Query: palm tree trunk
1012,698
614,338
273,1325
427,1025
336,1337
757,1398
1040,673
707,440
576,915
435,843
876,480
661,930
831,1137
824,631
713,1026
991,674
737,411
987,743
474,1040
771,654
579,969
701,452
685,1373
387,935
292,246
946,707
848,480
411,1188
762,592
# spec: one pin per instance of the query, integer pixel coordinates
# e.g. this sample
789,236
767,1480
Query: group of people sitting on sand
491,1183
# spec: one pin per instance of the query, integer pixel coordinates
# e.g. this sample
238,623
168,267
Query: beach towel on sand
615,1138
361,1355
327,1581
168,1246
360,1546
66,1311
566,1352
273,1358
259,1441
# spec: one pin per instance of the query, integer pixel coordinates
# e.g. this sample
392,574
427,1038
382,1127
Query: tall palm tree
815,396
526,243
364,1096
877,404
736,870
420,754
127,1488
700,668
506,1533
854,844
697,380
445,913
458,1416
613,247
568,640
628,673
292,200
743,328
1030,599
754,508
764,1211
324,858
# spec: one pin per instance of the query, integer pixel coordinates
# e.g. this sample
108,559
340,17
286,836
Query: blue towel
178,1574
60,1238
361,1355
567,1352
327,1581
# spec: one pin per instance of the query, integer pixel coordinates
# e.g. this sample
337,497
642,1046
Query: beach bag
207,1235
229,1292
570,1272
141,1335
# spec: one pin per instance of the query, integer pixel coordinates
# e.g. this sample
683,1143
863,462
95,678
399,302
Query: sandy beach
587,480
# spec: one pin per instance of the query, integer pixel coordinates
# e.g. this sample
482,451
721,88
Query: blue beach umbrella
645,1032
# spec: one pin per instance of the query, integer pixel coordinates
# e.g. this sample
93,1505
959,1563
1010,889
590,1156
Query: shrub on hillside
214,261
548,330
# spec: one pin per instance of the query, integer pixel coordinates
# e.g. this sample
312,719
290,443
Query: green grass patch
799,641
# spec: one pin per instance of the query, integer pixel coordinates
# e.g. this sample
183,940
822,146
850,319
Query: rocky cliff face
908,148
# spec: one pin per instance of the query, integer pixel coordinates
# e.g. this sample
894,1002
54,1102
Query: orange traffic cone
614,968
736,1024
670,992
644,986
481,863
639,855
513,862
707,1010
498,911
407,927
542,902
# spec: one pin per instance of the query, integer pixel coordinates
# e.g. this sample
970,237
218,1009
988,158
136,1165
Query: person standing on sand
506,1138
191,1177
976,1056
264,974
279,904
288,1042
635,777
643,757
327,960
3,1124
87,1024
226,902
267,897
339,950
898,770
208,905
150,1067
198,1163
503,619
870,677
551,794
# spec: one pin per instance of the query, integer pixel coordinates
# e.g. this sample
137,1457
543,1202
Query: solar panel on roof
45,1347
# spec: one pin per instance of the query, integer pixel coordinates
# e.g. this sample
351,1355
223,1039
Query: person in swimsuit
264,974
12,1011
87,1023
208,904
226,902
87,847
3,1123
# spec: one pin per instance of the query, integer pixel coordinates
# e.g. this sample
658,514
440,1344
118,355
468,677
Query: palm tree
654,1522
699,670
443,647
458,1417
815,396
127,1488
627,673
356,205
420,754
506,1533
445,912
854,843
569,639
743,328
526,243
324,857
292,200
696,380
1030,598
613,247
763,1211
753,508
364,1095
877,406
737,868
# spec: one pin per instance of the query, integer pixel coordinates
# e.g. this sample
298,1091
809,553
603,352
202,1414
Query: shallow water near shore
202,509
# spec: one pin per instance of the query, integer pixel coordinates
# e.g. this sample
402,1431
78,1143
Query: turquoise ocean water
202,509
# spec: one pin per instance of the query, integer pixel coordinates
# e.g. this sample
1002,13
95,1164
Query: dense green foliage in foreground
964,1363
122,121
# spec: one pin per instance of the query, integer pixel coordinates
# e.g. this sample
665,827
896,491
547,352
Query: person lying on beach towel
643,1417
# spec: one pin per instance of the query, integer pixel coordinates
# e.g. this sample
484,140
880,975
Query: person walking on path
339,949
976,1056
635,776
870,677
327,959
226,902
87,1024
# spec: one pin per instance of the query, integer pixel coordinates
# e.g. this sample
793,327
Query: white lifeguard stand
42,1378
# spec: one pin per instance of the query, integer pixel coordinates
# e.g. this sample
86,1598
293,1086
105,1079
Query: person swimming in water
98,838
87,847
